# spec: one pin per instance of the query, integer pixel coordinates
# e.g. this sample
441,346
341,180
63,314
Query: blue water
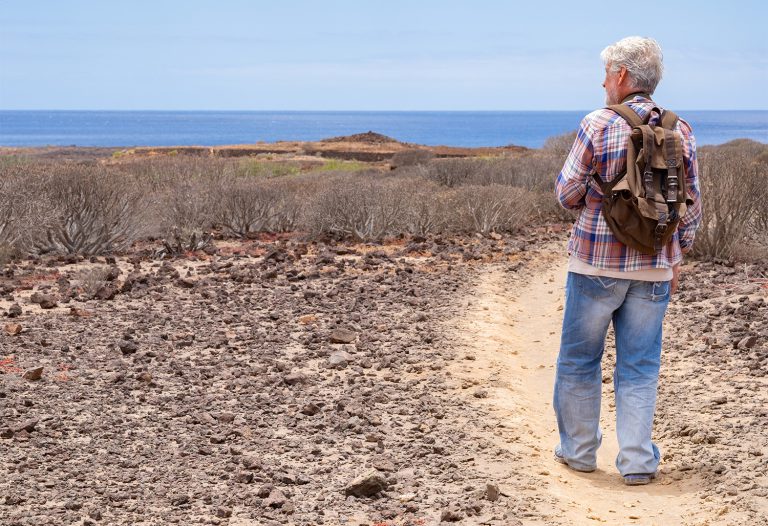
210,128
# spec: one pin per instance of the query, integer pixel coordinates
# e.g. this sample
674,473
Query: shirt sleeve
693,214
573,180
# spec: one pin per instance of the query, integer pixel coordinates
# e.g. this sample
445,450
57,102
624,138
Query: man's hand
675,278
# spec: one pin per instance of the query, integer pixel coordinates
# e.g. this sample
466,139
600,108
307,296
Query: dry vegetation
103,206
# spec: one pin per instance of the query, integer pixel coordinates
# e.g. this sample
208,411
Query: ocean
211,128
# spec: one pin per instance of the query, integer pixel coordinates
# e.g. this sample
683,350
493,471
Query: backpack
643,204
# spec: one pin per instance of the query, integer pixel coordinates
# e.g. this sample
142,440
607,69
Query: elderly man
611,282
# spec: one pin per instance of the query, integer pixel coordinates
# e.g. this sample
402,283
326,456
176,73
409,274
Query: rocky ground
281,382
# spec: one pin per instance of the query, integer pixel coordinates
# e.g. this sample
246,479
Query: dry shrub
414,157
91,280
493,208
560,145
734,195
453,172
185,209
22,213
92,211
428,207
243,206
360,207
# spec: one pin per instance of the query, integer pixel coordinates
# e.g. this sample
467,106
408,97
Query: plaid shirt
601,146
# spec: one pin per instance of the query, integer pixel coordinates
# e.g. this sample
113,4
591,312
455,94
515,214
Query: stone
339,359
343,336
492,492
243,477
295,377
44,300
275,499
310,409
366,485
12,329
6,433
14,311
26,425
451,515
33,374
223,512
747,342
106,292
127,347
307,319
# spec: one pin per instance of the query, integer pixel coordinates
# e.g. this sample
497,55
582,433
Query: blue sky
369,55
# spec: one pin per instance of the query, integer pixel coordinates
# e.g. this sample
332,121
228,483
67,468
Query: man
611,282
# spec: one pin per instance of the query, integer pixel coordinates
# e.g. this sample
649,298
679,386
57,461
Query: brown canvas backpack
643,204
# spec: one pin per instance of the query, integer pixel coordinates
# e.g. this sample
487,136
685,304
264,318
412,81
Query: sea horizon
462,128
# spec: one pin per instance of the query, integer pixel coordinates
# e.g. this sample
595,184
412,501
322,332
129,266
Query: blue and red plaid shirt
601,146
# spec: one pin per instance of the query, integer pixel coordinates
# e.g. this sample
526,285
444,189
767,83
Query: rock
494,235
310,409
127,347
243,477
366,485
44,300
492,492
187,283
451,515
276,499
307,319
339,359
6,433
14,311
223,512
747,342
106,292
343,336
27,425
12,329
295,377
79,313
33,374
251,462
480,393
264,491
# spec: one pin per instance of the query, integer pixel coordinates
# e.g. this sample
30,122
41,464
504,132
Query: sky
369,54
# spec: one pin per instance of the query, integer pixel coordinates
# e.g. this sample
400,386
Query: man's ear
622,75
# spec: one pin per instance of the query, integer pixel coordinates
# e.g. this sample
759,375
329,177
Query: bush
243,206
414,157
363,208
92,211
734,196
493,208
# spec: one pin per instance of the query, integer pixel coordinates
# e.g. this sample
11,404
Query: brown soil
216,389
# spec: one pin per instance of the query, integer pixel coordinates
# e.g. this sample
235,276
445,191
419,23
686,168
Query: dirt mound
368,137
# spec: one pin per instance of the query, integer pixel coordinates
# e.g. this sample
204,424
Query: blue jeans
636,309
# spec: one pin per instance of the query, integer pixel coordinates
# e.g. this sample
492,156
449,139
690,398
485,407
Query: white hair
641,56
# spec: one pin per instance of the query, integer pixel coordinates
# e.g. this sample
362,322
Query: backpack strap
628,114
669,119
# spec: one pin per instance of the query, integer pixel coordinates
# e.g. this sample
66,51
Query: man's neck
634,94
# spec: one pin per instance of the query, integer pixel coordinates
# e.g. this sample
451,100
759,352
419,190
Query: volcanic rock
33,374
366,485
343,336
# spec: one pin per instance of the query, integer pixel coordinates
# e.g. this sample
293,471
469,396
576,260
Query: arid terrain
280,381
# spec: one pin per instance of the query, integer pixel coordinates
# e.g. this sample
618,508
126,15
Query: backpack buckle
661,228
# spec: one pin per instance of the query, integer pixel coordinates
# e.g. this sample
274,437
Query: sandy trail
512,329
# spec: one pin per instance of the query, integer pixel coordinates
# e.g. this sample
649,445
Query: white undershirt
652,274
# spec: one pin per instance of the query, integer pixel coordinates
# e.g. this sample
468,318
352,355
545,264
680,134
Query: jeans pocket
596,286
660,290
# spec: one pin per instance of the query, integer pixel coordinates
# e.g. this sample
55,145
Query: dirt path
512,331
